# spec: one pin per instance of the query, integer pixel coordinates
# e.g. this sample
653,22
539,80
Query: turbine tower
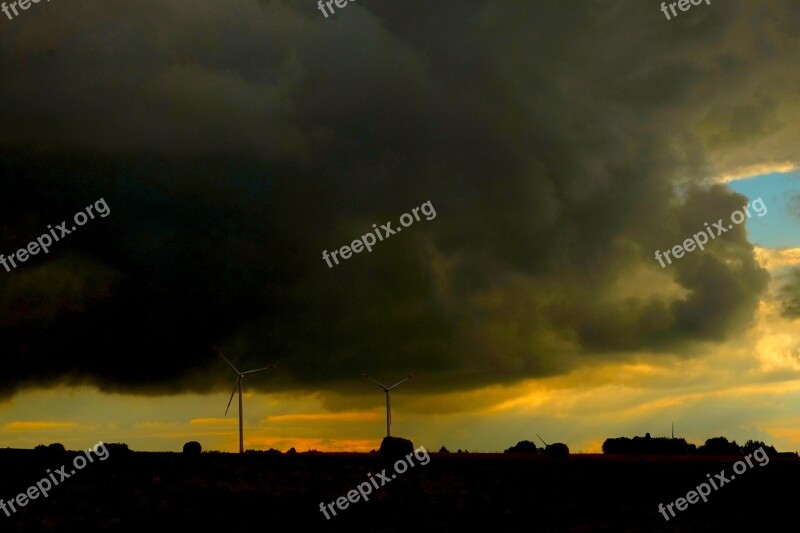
386,390
238,384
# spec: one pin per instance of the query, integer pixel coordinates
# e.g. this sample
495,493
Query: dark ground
263,492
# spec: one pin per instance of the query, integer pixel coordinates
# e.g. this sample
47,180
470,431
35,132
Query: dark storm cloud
234,142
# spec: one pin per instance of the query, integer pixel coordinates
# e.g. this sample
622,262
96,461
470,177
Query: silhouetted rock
523,446
192,448
443,450
394,448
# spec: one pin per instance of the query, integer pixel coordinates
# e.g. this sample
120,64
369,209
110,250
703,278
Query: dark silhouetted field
262,492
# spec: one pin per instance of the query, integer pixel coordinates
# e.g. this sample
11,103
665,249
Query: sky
219,150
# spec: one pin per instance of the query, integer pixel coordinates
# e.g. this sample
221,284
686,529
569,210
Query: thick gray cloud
560,144
790,294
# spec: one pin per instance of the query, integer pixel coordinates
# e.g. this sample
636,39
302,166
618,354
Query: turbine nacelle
384,387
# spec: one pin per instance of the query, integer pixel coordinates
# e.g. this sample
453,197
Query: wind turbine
238,383
386,390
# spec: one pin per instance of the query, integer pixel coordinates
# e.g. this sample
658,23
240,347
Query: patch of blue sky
780,227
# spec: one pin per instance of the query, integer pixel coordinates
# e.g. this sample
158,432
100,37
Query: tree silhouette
523,446
719,446
752,445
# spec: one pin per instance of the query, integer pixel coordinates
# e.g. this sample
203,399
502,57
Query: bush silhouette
557,450
192,448
752,445
719,446
523,446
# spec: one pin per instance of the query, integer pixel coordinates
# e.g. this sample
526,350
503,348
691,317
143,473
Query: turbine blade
226,360
259,369
376,382
235,385
403,381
